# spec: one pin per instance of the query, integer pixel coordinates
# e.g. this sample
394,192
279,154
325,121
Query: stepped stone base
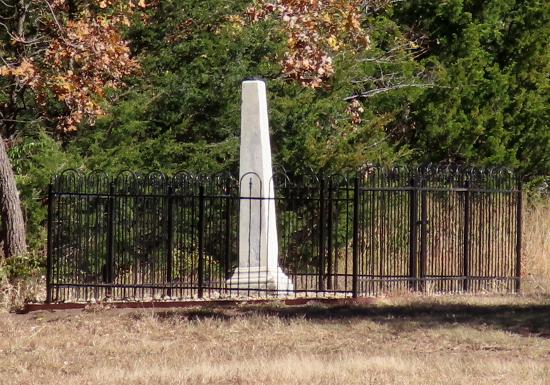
261,280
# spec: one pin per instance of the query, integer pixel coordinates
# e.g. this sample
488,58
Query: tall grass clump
22,280
536,245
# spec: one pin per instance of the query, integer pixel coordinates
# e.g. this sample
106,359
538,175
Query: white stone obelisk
258,248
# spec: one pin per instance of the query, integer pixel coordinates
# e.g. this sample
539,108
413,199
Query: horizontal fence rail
379,230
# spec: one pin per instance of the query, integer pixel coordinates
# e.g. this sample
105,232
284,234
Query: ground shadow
193,314
522,319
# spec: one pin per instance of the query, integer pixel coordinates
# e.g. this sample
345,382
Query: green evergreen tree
491,103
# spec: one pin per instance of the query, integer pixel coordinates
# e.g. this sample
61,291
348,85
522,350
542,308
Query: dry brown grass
14,294
405,340
536,247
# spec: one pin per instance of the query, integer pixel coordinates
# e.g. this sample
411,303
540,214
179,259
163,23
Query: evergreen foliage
491,105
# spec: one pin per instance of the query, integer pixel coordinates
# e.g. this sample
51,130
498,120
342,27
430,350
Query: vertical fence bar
110,239
201,242
355,266
329,232
466,256
49,255
413,235
321,266
169,239
519,226
227,251
423,235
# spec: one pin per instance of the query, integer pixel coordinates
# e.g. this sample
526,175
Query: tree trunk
13,226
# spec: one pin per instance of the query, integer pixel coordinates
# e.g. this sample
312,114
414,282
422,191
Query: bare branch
380,79
375,6
4,60
9,17
21,121
9,32
60,28
407,52
54,17
6,4
21,39
377,91
21,20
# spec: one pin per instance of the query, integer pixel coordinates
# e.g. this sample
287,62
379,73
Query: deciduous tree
57,59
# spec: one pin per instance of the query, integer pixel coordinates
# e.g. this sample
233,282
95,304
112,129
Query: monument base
260,280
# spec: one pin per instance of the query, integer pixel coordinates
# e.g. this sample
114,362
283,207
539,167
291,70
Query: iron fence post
49,246
169,239
413,234
321,234
355,266
466,262
201,242
110,238
329,232
519,230
423,234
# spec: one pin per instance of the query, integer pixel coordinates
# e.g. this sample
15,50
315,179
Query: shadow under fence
378,230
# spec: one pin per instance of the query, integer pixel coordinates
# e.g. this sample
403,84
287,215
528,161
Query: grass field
405,340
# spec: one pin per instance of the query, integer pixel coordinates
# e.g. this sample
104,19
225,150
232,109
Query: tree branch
4,60
6,4
54,17
375,6
9,32
377,91
60,28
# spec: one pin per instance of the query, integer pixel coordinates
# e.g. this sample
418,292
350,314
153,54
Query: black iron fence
379,230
